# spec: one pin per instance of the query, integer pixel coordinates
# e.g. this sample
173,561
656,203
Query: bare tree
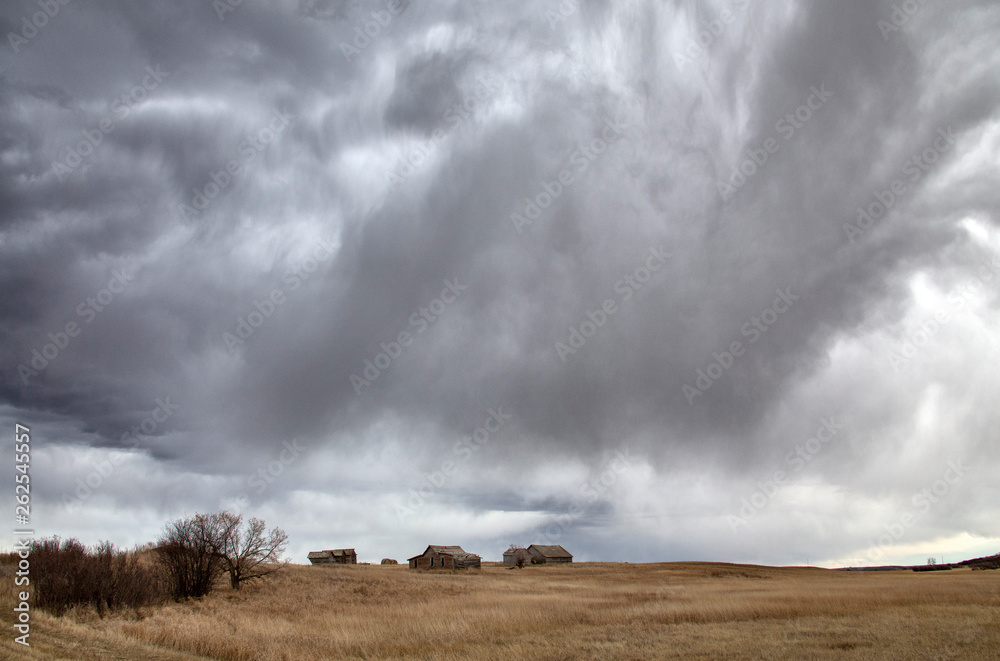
187,550
248,552
196,551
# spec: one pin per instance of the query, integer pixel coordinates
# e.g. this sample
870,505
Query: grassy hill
579,611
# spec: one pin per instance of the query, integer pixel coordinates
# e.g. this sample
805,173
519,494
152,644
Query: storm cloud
651,280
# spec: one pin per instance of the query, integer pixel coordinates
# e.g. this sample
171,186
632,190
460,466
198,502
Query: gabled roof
448,550
330,553
515,551
551,551
453,551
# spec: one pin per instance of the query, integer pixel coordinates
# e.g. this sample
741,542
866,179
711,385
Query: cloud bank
654,281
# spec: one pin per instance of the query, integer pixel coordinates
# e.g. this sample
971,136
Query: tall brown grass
580,611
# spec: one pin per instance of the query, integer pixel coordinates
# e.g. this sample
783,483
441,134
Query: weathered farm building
445,557
334,557
547,554
512,555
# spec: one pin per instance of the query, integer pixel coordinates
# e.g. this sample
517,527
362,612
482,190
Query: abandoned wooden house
542,554
514,554
445,557
334,557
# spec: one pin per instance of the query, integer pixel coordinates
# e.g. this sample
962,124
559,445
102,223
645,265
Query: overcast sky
655,281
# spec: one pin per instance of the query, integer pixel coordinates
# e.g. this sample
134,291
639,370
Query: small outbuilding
334,557
543,554
516,557
445,557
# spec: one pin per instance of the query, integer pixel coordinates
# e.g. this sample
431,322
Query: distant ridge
986,562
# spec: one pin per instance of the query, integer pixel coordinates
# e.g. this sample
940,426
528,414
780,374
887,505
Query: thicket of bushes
187,561
65,574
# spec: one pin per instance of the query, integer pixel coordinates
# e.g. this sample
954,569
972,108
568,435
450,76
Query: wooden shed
334,557
445,557
512,555
542,554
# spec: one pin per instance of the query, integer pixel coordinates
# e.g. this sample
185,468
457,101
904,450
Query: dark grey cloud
365,244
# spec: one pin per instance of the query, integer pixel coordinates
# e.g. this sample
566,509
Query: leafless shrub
67,574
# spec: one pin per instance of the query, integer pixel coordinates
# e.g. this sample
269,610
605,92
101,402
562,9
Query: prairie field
579,611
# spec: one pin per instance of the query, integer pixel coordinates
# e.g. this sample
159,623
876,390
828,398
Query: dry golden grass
580,611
